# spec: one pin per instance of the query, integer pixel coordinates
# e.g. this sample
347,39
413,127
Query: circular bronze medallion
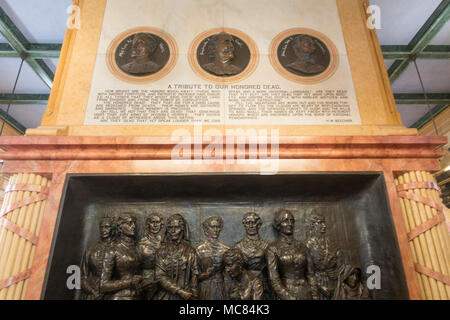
142,55
223,55
304,55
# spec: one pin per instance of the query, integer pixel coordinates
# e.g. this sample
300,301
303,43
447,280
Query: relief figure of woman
121,267
351,285
326,257
254,249
176,263
210,254
289,262
92,265
147,247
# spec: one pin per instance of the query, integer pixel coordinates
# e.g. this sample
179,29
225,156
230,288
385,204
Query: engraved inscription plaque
236,63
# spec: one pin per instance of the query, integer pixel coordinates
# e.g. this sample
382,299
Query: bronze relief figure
223,55
120,275
142,54
350,285
143,46
289,262
326,257
92,265
221,49
305,49
239,283
253,249
210,257
147,247
304,55
176,263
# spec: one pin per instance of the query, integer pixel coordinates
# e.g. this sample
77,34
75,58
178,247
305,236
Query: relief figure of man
221,50
143,47
305,49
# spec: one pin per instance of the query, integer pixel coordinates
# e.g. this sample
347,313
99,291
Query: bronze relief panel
164,265
170,238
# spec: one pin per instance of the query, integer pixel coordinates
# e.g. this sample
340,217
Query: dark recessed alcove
355,207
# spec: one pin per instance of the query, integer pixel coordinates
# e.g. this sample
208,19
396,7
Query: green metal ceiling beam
45,50
36,51
11,33
427,117
6,98
402,52
431,27
12,122
42,70
21,45
413,98
6,51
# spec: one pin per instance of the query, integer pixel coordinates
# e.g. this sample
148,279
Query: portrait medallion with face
223,55
304,56
141,55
